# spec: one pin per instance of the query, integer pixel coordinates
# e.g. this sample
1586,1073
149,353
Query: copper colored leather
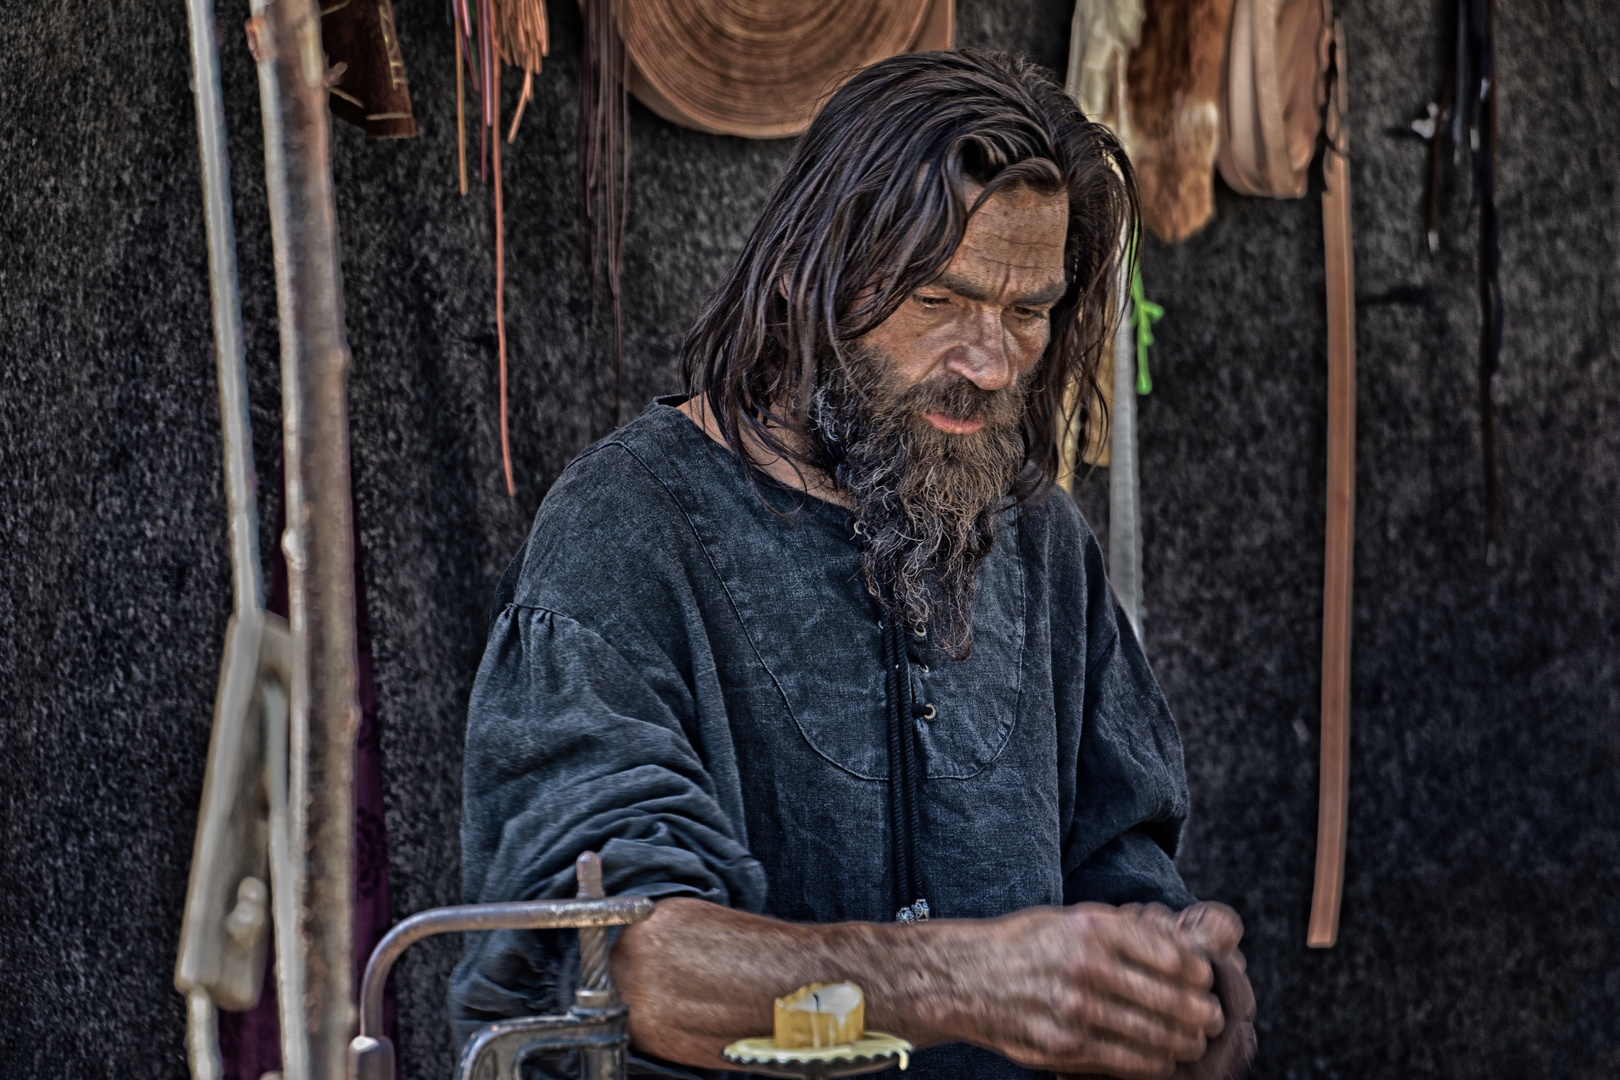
1333,811
1283,82
366,68
760,68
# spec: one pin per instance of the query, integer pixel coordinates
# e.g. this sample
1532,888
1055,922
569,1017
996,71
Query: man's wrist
912,975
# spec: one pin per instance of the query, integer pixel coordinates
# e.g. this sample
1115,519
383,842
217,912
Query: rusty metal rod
320,1014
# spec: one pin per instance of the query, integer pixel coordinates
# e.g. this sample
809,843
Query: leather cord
1481,22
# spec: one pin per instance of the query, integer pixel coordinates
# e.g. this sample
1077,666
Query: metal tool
225,927
595,1030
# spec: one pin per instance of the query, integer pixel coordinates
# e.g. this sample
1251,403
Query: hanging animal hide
1174,77
366,70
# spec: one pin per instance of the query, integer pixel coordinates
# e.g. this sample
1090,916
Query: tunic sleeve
571,748
1131,788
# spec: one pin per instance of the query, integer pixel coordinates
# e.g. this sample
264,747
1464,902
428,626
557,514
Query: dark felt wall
1482,915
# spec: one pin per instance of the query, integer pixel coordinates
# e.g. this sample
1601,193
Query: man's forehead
1022,216
1016,238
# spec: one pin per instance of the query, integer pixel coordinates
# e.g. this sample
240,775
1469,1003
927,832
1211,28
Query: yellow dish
764,1051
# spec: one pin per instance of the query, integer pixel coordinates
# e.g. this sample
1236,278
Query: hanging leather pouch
1274,88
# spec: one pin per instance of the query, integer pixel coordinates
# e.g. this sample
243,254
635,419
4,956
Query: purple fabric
250,1042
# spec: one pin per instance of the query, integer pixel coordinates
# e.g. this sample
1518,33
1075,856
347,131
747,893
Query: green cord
1144,313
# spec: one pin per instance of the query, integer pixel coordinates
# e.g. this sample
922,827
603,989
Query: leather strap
1333,807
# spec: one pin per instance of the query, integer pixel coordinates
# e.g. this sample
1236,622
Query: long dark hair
872,206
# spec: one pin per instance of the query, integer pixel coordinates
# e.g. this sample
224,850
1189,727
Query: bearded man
818,658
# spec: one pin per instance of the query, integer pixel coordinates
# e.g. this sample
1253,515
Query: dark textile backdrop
1482,915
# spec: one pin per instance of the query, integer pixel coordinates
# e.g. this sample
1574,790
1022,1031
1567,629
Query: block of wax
821,1014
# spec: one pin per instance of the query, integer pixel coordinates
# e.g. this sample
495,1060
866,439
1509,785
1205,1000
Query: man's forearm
698,976
1085,988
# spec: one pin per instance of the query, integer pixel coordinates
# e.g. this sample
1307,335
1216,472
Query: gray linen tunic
691,683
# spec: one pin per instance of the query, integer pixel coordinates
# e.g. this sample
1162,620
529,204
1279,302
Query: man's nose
982,356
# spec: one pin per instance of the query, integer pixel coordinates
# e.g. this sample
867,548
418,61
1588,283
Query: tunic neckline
830,515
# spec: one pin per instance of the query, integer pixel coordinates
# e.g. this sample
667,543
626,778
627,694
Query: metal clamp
596,1026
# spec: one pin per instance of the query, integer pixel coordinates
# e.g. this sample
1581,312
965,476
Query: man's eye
929,301
1024,314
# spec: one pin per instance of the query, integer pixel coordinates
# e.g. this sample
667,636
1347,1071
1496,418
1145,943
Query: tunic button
923,712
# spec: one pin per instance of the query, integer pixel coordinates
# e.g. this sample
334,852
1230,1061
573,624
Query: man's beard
925,502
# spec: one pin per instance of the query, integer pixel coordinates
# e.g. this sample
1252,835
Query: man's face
985,318
923,415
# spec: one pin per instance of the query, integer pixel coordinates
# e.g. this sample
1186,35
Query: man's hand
1091,989
1088,988
1217,930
